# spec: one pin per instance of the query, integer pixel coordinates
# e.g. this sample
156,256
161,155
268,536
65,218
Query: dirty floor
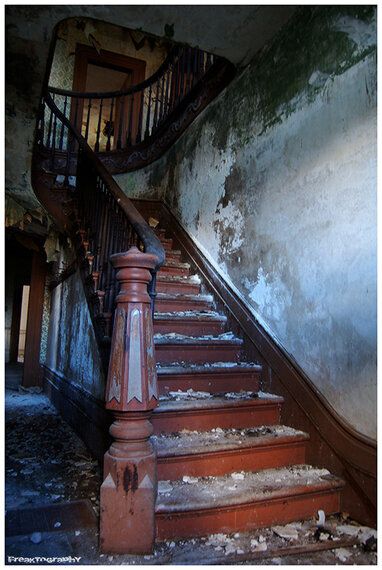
48,466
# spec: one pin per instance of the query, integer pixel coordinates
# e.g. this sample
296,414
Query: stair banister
108,225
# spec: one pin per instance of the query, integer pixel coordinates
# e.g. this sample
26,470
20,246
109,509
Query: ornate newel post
129,489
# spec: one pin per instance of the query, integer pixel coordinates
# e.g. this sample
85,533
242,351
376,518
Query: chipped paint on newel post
129,489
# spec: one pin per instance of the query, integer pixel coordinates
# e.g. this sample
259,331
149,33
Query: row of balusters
103,229
116,123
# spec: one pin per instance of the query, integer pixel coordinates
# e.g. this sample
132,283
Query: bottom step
244,501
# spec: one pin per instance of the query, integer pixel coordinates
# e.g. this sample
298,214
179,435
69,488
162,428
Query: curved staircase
224,462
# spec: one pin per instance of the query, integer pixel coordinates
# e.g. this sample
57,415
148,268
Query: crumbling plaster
276,182
71,346
235,32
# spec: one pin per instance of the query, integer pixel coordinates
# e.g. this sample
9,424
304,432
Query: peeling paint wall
72,350
276,182
28,34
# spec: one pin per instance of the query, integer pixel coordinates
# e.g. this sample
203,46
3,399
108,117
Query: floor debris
39,441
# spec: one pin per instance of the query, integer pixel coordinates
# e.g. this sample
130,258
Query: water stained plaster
276,182
71,347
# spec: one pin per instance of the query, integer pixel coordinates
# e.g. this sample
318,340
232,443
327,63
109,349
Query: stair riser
246,517
175,271
220,463
185,288
171,305
167,245
193,328
206,419
173,256
212,383
167,354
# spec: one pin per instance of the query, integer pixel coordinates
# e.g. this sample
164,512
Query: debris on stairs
225,464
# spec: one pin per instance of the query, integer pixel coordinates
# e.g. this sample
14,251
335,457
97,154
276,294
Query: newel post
129,489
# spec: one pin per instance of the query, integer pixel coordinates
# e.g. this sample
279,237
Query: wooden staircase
224,461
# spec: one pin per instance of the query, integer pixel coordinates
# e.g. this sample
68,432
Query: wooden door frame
86,55
32,374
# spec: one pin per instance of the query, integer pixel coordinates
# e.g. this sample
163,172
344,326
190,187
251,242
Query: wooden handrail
176,51
124,119
150,241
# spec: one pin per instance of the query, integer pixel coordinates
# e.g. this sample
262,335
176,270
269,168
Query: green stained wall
276,182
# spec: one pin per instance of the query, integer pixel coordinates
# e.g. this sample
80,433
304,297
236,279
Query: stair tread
247,487
189,316
193,401
181,339
184,297
209,367
192,279
170,263
189,442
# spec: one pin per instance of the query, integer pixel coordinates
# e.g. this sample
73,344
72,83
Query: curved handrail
150,241
133,89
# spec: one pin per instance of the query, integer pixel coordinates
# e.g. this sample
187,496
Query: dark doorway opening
25,271
101,72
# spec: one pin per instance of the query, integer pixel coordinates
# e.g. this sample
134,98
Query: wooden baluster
161,99
49,128
88,120
182,78
129,140
121,122
147,131
62,124
140,119
110,293
76,105
105,241
96,222
177,81
108,145
188,72
166,102
109,274
156,106
128,492
96,146
208,62
54,134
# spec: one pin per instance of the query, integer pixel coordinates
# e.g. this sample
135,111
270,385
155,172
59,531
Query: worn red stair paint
202,415
219,452
213,424
260,499
179,348
215,378
190,323
167,302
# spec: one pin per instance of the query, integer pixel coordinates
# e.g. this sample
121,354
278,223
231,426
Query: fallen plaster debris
190,480
343,554
286,531
237,476
164,487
